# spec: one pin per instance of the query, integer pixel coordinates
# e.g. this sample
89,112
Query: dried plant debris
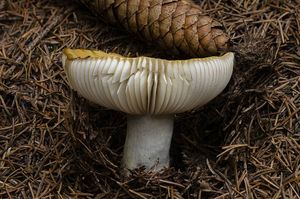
55,144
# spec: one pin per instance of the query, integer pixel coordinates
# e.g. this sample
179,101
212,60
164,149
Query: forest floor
55,144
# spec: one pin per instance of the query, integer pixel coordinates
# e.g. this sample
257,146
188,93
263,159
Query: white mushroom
150,91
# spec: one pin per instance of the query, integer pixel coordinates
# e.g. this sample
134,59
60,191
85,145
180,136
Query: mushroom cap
144,85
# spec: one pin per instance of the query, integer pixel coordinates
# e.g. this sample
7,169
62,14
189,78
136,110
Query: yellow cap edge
72,54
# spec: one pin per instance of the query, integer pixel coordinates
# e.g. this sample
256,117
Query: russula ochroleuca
150,91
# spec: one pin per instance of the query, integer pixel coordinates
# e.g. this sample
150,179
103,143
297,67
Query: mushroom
150,91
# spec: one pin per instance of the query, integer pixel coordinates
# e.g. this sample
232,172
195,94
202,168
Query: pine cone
175,24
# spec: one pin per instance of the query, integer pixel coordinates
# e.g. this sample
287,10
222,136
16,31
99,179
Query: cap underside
145,85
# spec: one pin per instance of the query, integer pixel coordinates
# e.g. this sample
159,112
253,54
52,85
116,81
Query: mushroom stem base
148,141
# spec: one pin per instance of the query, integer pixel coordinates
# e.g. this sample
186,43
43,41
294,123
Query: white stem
148,141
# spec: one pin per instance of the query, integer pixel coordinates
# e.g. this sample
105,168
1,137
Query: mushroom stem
148,141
